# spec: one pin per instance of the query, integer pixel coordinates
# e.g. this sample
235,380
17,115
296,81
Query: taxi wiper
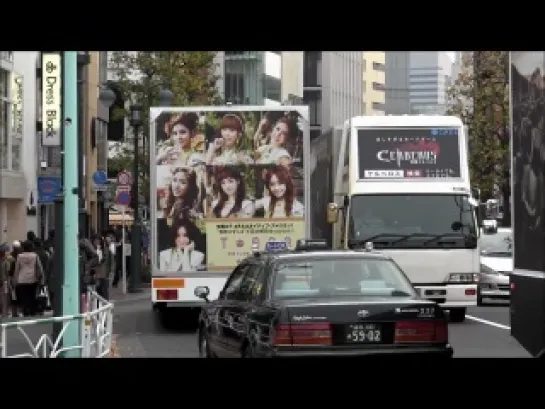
410,236
398,293
442,236
361,242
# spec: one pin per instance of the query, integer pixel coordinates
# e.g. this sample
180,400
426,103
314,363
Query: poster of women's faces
226,181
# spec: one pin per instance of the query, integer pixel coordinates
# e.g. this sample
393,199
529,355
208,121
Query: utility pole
70,289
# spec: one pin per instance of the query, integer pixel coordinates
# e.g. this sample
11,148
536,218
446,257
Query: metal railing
95,325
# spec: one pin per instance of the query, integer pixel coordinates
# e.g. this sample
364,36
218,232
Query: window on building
364,65
377,66
377,86
234,88
272,88
312,63
315,108
377,106
314,133
4,116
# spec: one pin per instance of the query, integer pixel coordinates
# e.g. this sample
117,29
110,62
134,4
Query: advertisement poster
226,180
409,153
528,105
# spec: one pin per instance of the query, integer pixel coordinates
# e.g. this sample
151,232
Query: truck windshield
411,221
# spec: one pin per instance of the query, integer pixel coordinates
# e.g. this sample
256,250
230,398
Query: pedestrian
106,265
4,280
88,261
118,257
16,249
46,260
28,277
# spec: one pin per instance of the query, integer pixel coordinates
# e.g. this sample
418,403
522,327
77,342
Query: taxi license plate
363,334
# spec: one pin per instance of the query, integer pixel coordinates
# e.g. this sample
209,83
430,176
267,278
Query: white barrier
95,324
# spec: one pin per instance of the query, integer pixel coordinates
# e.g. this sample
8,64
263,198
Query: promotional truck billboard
227,180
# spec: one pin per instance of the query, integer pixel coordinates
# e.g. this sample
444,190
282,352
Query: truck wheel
457,314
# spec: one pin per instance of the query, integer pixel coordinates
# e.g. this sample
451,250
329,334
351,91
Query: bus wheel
457,314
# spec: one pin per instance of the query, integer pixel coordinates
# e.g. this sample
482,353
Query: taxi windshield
340,277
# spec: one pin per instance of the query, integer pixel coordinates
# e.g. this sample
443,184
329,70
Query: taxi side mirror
332,213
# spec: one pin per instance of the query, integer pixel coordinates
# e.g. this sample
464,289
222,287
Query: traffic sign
123,198
124,178
100,180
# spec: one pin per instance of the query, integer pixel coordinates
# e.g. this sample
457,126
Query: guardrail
95,324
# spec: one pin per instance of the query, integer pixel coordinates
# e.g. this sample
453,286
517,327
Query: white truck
224,180
402,183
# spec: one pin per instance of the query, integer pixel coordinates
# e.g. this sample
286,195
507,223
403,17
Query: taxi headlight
463,278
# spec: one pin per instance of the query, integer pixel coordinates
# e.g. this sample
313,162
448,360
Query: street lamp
106,96
135,119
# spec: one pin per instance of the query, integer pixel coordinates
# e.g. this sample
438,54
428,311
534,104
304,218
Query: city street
485,334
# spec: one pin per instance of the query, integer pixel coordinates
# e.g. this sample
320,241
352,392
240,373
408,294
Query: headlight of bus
463,278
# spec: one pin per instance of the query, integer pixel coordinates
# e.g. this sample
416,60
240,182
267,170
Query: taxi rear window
337,277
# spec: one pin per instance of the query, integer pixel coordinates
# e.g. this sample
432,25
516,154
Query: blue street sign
100,177
124,198
49,188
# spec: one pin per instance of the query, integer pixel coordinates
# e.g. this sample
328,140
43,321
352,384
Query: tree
190,75
480,98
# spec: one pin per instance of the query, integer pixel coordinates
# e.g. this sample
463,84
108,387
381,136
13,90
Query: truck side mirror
481,214
332,213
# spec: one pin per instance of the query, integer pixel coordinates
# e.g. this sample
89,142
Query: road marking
486,322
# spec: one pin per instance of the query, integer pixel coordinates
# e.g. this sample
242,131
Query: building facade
397,80
13,184
374,83
93,151
430,77
333,87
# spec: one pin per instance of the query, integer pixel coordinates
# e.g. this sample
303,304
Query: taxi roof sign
311,244
276,245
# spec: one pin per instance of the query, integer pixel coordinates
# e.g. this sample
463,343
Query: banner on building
51,98
17,103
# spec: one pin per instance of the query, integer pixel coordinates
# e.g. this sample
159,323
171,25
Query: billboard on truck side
224,180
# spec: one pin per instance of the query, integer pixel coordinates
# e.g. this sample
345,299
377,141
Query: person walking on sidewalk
4,280
28,276
105,266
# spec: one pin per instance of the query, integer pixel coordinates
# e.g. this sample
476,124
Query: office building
430,77
13,184
333,87
397,80
374,81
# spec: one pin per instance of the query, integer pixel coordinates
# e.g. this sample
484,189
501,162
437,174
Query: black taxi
316,302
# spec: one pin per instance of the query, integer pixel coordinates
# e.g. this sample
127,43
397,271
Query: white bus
402,182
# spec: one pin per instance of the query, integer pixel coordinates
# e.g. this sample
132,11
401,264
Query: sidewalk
116,294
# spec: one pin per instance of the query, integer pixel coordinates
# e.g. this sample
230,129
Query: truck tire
457,314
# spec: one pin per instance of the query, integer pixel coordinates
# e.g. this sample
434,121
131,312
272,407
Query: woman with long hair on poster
182,200
224,150
231,199
184,146
269,143
281,201
181,254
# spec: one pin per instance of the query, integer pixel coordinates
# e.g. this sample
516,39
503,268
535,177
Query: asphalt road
485,334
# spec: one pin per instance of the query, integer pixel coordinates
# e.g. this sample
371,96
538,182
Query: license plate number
363,334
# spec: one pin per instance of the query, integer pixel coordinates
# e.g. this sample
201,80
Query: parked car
496,245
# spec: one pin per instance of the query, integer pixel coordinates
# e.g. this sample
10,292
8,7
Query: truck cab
402,182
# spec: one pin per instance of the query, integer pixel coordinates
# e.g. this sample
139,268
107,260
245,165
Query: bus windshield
412,221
